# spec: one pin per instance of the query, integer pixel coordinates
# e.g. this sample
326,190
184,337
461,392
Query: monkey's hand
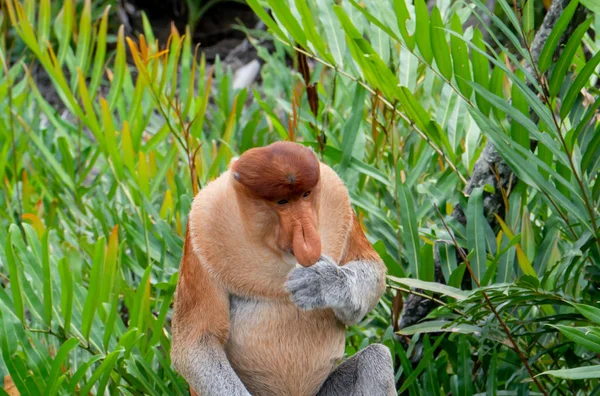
351,291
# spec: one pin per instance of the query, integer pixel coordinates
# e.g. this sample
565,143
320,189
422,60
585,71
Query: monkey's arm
200,329
351,290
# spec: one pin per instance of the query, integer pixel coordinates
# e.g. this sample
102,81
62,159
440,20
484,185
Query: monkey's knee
375,371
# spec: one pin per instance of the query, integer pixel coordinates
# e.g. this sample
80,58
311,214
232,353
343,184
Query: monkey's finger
294,285
307,299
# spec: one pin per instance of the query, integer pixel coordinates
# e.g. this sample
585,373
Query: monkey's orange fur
231,249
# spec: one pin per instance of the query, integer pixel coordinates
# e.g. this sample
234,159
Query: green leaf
492,375
475,233
581,336
441,326
47,279
92,300
518,132
8,343
66,28
457,275
392,265
481,70
100,55
578,373
335,155
402,16
84,36
110,139
426,263
352,127
574,43
591,151
529,19
496,88
408,219
142,301
103,370
81,372
66,295
262,14
426,358
590,312
439,45
334,35
311,32
527,236
460,57
422,32
439,288
57,365
551,44
592,5
465,364
371,18
283,13
525,121
119,70
110,271
14,274
143,177
580,81
44,22
51,161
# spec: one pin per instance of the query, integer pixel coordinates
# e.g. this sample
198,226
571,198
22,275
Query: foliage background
400,98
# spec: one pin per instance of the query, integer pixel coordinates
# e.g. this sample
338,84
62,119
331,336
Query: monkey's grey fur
348,290
367,373
209,371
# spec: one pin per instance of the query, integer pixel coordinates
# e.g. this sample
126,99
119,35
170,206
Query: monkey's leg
367,373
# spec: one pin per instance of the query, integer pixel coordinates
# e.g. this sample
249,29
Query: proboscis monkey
275,264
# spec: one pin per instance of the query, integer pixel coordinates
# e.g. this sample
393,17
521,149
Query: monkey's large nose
306,243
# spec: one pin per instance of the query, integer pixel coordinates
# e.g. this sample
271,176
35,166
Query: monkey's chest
276,349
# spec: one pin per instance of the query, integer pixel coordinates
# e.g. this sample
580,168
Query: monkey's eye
282,202
306,194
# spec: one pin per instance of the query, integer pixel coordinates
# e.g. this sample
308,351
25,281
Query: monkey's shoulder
335,213
213,209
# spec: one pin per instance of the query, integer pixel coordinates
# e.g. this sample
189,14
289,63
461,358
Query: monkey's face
284,177
298,229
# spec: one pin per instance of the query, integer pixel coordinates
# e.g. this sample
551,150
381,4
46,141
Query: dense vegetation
470,146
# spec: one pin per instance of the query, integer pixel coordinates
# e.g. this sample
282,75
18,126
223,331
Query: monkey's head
284,178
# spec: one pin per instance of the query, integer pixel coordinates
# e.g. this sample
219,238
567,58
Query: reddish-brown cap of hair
280,170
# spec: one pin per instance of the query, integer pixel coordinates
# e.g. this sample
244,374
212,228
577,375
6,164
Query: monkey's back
304,346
